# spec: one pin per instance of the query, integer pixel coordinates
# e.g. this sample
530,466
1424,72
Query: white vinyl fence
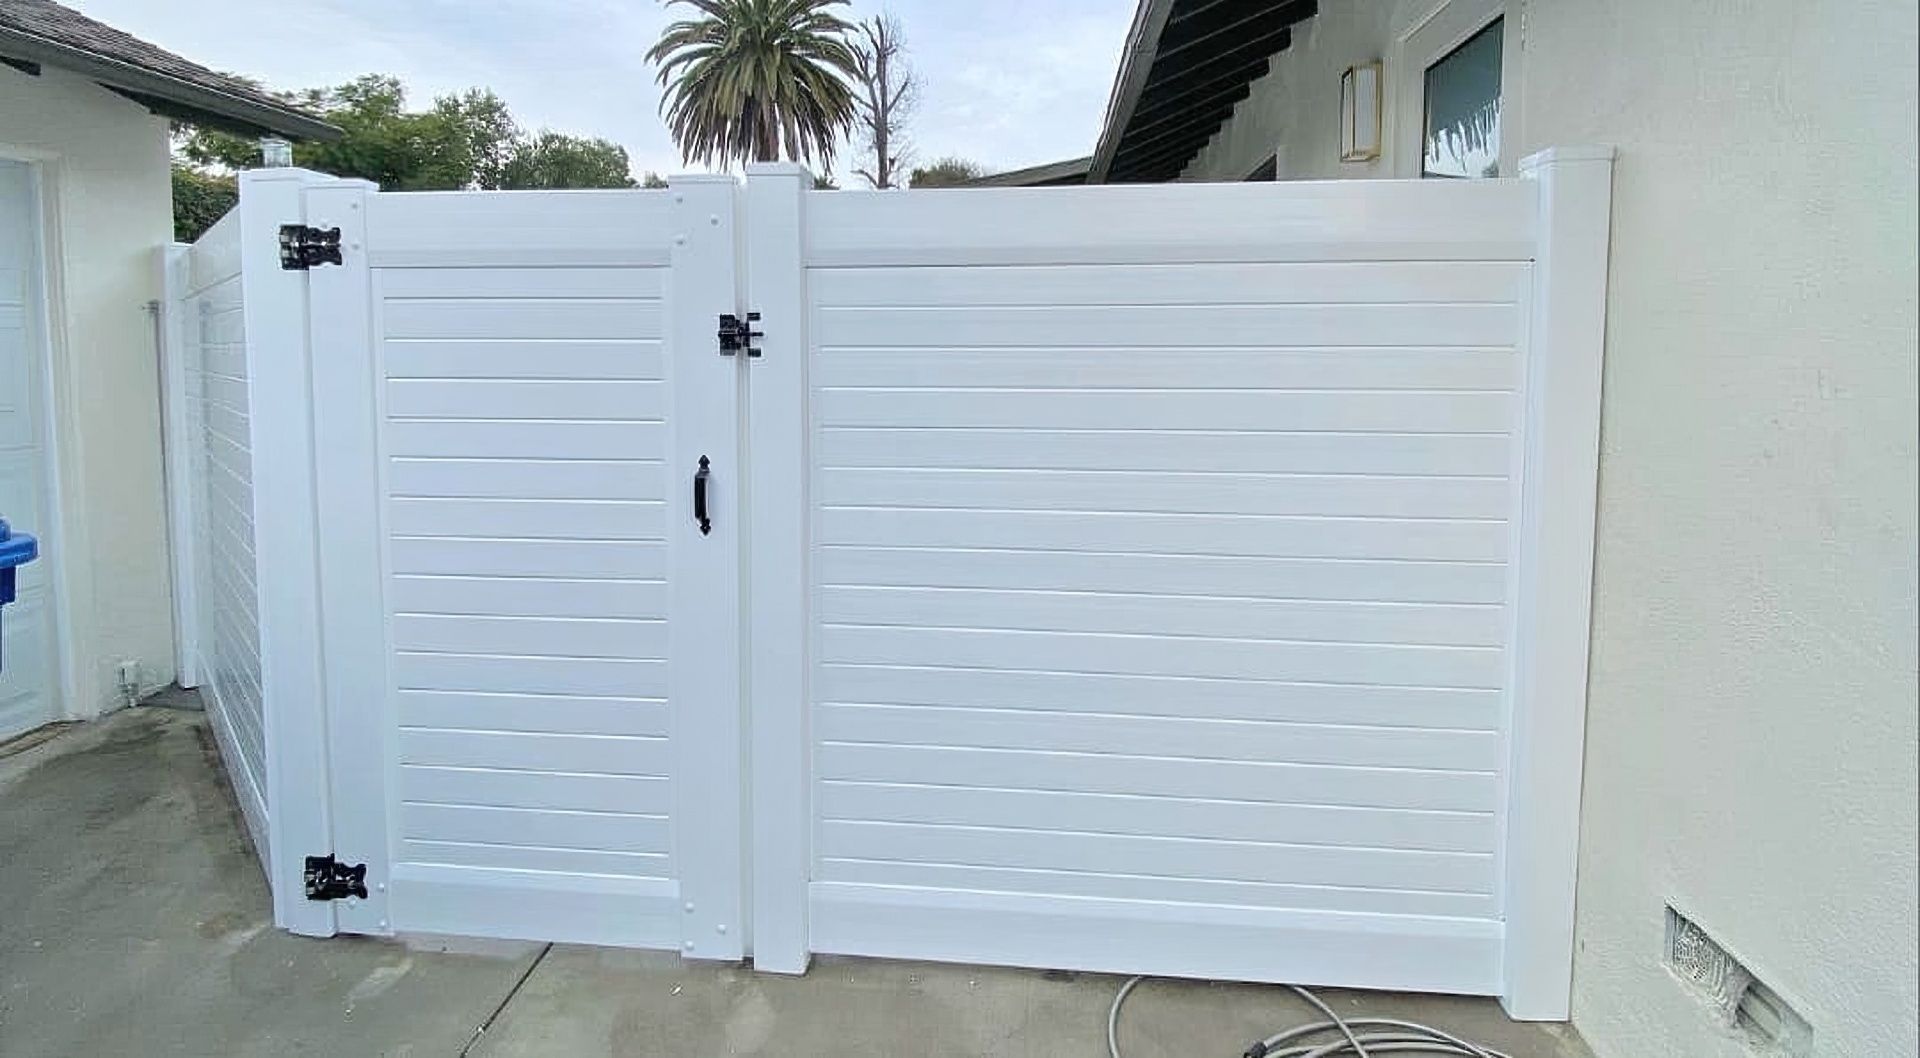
210,441
1179,579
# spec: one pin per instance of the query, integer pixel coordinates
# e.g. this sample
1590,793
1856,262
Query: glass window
1462,135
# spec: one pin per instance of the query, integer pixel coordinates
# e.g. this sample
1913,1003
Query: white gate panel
1156,571
549,701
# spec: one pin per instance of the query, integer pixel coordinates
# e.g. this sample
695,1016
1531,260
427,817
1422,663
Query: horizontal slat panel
646,560
1261,578
226,423
1424,666
569,753
526,439
1258,452
1163,816
1369,220
1394,412
1161,696
1177,369
518,228
1182,858
1161,492
1424,623
528,597
1156,889
612,832
1021,728
213,262
1161,777
1172,284
521,282
1261,325
633,359
621,678
227,392
486,711
597,519
1274,537
519,399
609,479
520,317
530,858
531,636
531,789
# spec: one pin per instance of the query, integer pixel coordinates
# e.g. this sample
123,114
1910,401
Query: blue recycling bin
16,550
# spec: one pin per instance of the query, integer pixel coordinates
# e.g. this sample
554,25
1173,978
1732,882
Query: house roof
1186,64
36,32
1071,171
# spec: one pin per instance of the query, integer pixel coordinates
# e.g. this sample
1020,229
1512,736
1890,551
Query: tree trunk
882,117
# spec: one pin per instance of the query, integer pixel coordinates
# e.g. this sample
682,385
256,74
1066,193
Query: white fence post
777,563
1555,576
352,595
285,549
181,443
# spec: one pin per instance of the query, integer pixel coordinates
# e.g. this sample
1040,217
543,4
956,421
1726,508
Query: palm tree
749,79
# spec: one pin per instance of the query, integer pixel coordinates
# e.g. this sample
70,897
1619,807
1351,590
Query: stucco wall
105,160
1752,707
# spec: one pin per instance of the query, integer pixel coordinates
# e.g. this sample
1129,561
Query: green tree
749,80
555,159
462,141
466,140
199,199
946,172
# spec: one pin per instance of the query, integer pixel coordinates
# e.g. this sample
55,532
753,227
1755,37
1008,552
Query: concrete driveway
137,923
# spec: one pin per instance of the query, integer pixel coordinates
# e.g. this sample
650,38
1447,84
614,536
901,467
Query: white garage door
27,697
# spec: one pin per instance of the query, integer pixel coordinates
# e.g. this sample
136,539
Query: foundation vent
1740,1001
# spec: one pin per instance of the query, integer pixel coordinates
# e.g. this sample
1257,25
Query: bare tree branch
886,92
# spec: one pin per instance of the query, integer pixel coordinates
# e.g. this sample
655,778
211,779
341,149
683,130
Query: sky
1006,83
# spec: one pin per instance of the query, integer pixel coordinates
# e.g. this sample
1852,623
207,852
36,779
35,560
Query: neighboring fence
1187,579
210,467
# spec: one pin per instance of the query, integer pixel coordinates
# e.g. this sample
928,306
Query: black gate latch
737,334
329,879
302,247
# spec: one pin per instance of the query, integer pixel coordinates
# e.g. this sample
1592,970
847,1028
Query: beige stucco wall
104,160
1751,738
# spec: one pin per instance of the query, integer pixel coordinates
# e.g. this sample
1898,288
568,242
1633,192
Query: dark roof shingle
40,31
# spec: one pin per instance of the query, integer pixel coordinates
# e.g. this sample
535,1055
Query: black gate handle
700,496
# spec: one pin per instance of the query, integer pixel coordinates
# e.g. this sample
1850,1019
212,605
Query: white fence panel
1143,595
1181,579
210,441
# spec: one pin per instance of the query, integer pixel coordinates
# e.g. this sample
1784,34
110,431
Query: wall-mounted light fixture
1360,113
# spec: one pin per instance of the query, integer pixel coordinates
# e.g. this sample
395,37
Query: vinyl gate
1187,579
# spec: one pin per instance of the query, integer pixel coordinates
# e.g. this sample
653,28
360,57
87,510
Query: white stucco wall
104,160
1751,741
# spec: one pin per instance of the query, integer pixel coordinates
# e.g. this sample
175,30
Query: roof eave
1035,175
1136,62
136,80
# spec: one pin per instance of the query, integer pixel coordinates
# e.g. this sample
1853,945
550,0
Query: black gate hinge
737,334
303,247
329,879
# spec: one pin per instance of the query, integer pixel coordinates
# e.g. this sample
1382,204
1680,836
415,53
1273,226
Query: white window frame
1433,36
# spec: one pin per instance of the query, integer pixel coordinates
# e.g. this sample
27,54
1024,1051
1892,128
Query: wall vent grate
1740,1001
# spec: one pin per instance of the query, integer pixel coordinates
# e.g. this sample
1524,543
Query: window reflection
1462,134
